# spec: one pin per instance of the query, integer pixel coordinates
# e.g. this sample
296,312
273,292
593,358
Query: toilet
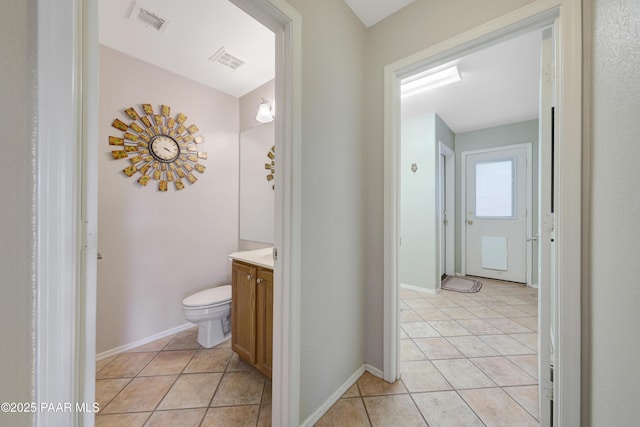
211,311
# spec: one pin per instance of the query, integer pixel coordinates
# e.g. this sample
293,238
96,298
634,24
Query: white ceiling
371,12
198,28
500,85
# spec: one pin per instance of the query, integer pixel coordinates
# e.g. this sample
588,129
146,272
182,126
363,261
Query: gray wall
512,134
615,203
332,292
17,113
418,260
418,26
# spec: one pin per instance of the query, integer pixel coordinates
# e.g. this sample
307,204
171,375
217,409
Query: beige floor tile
176,418
506,345
371,385
419,330
496,408
530,309
239,388
510,311
437,348
456,313
406,294
418,303
431,313
211,360
187,340
462,300
346,412
527,397
122,420
141,394
156,345
528,363
508,326
408,315
191,391
398,410
168,363
409,351
126,365
489,301
237,364
528,322
352,392
231,416
442,302
422,376
478,327
530,340
484,312
503,372
446,409
104,362
264,419
266,396
463,374
448,328
403,334
108,389
472,346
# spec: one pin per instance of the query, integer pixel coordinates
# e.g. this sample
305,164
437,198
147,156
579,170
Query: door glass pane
494,189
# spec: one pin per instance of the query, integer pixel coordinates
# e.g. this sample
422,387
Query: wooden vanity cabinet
252,314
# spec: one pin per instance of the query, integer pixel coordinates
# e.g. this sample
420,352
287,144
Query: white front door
496,214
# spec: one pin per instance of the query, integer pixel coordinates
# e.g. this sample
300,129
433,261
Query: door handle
470,222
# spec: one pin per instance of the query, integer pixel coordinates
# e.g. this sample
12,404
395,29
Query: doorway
569,97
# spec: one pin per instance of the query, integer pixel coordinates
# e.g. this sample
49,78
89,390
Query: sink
259,257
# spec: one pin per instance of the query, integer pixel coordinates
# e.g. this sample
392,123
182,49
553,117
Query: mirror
256,191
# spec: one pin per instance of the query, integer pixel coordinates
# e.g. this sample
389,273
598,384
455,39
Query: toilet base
212,336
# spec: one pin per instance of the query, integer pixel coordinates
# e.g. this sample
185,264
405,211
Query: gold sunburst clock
159,147
271,167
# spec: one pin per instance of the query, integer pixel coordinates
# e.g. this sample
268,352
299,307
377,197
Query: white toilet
211,311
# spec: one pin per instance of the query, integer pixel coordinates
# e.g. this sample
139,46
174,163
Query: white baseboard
419,289
374,371
144,341
533,285
315,417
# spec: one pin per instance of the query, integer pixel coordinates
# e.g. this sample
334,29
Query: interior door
496,214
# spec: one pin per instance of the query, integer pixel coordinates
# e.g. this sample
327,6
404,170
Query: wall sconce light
264,112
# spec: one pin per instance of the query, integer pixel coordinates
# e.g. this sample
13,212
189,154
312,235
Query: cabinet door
265,321
243,311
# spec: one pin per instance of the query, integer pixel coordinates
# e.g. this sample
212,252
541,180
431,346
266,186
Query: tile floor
176,382
467,360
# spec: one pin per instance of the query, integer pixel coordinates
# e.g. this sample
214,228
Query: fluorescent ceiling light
429,80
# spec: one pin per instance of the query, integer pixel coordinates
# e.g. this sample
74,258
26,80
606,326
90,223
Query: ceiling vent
147,18
225,58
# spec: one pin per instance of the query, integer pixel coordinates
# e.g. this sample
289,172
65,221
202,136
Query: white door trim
567,389
66,198
463,204
450,201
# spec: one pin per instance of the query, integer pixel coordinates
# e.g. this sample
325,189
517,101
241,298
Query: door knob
469,222
445,222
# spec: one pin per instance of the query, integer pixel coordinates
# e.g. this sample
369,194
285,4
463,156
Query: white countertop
260,257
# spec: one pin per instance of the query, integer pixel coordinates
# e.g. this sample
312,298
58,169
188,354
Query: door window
495,182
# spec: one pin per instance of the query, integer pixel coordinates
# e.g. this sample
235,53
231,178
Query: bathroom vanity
252,307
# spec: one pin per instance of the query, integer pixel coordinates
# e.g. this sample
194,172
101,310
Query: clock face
164,148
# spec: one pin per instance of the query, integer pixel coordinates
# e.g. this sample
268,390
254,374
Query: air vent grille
225,58
151,19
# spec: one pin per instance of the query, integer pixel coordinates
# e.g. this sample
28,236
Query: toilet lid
211,296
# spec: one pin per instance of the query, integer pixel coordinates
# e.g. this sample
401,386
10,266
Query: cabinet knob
258,280
249,276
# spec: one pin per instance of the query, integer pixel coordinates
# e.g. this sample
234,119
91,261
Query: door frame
528,201
567,388
67,201
450,202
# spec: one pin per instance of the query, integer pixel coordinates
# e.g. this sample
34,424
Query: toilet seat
208,298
